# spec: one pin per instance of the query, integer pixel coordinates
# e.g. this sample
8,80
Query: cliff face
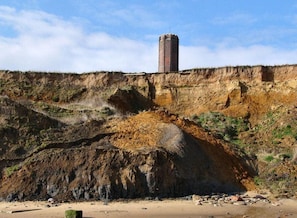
236,91
89,131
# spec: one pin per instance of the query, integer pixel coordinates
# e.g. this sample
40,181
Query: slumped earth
111,135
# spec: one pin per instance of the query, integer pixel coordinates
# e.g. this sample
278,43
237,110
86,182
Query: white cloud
47,43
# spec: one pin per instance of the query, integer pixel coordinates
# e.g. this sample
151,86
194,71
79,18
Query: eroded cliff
236,91
83,136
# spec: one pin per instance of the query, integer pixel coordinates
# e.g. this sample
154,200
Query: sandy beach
155,209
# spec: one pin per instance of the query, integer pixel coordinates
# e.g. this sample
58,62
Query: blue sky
118,35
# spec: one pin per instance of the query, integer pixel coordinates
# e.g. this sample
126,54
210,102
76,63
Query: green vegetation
269,158
258,181
54,111
227,128
277,177
269,120
70,93
73,214
273,136
10,170
281,132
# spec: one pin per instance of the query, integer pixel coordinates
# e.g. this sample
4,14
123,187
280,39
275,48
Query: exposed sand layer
166,208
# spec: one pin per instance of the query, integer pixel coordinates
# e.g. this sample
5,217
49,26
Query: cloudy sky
122,35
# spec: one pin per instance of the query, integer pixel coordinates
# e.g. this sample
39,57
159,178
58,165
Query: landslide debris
150,154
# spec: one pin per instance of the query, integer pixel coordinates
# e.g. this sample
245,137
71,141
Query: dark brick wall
168,53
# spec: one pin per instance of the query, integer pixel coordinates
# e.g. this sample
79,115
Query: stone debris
235,198
51,200
275,204
218,200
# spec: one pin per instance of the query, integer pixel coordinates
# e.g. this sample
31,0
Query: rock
158,198
77,193
198,203
239,203
11,197
260,197
235,198
52,190
187,198
197,198
276,204
104,192
51,200
221,199
215,197
86,195
206,197
21,196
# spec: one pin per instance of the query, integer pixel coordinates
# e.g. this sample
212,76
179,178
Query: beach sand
155,209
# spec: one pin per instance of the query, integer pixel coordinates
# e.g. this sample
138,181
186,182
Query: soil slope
151,154
116,135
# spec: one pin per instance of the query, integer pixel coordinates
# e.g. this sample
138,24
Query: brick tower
168,53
